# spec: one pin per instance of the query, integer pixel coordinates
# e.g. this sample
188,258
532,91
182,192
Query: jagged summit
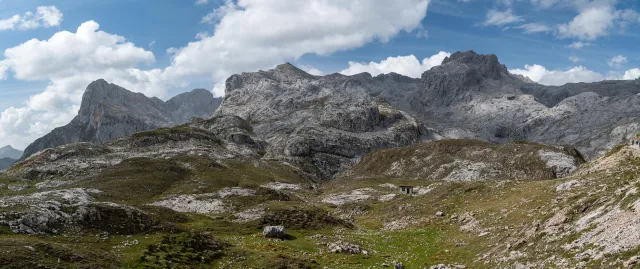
287,67
109,111
288,71
472,64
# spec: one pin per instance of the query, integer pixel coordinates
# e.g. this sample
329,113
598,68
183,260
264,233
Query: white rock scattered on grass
388,185
423,190
469,223
555,224
73,197
250,214
568,185
344,247
387,197
235,191
202,203
17,187
51,184
615,230
358,195
280,186
402,223
439,214
631,262
464,170
483,234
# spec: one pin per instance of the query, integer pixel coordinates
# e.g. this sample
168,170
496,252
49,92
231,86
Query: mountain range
325,123
469,166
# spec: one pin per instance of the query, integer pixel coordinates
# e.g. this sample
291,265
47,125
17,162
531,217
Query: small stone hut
406,189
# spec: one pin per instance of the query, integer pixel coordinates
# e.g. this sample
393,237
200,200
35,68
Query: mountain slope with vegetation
361,171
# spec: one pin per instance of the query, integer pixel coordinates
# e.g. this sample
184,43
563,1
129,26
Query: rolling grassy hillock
490,223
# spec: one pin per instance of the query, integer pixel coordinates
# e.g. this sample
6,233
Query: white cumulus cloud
540,74
631,74
596,19
45,17
404,65
256,34
617,61
69,62
245,35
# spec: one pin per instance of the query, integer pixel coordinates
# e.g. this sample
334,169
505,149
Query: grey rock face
108,111
552,95
474,96
10,152
591,122
323,124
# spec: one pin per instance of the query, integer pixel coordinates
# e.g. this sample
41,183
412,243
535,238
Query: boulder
274,232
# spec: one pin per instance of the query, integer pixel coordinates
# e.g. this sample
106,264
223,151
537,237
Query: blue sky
164,47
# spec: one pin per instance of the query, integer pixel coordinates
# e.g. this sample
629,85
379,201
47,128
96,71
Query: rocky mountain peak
9,147
10,152
109,111
488,65
289,71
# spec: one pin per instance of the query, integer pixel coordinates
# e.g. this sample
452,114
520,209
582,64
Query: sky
51,50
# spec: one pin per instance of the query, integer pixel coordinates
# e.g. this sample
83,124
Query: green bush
191,250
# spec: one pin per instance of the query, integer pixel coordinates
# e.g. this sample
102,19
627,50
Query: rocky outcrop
108,112
468,160
231,140
322,124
